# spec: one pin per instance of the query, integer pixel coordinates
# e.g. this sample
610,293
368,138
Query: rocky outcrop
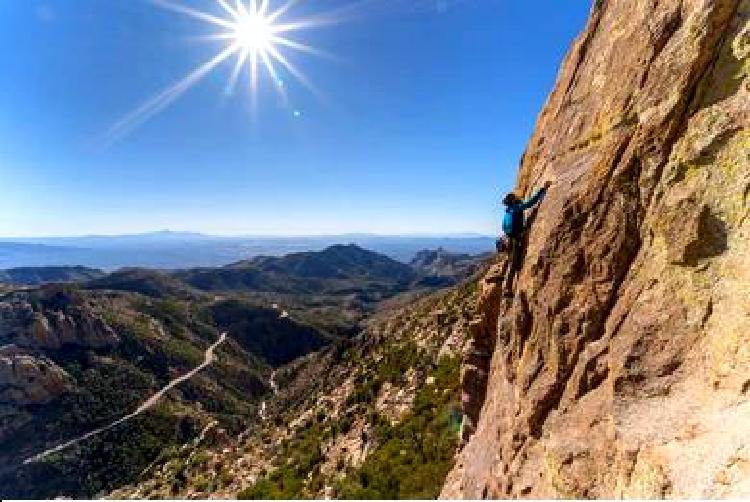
621,368
440,267
26,379
33,325
477,353
52,325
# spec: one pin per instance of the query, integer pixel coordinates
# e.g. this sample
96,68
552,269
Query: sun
252,33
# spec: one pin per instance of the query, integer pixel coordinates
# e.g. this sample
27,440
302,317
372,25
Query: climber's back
513,219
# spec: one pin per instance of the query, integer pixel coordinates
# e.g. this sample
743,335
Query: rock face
34,325
25,379
55,320
621,368
440,266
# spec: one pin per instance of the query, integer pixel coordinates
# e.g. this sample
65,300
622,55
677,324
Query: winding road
147,405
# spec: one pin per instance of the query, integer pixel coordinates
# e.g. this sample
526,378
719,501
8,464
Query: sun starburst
254,34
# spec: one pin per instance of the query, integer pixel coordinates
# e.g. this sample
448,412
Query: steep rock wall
622,366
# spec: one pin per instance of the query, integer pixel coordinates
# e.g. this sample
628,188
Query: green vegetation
393,367
171,312
263,332
163,327
110,381
408,458
180,354
289,481
104,462
413,457
151,283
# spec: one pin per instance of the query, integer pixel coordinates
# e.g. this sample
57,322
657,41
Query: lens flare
254,34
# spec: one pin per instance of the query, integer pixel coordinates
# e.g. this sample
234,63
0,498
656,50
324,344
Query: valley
146,406
104,379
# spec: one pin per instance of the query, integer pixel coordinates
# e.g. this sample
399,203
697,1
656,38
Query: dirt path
147,405
275,389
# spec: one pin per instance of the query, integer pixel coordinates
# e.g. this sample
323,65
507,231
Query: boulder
53,327
27,379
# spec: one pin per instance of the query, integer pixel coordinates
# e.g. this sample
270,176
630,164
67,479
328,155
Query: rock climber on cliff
514,227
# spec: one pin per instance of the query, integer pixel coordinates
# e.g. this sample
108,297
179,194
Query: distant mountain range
179,250
338,284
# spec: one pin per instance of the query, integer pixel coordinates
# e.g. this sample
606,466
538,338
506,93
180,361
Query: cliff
621,368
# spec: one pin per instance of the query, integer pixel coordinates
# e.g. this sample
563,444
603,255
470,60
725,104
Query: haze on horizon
426,109
168,233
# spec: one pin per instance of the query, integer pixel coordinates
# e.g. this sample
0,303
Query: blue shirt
513,220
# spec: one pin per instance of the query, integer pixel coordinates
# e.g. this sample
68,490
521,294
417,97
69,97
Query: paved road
147,405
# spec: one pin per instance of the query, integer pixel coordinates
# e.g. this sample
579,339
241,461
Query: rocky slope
75,360
41,275
440,267
373,417
621,368
126,378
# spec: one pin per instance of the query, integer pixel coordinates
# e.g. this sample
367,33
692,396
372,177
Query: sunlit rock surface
622,366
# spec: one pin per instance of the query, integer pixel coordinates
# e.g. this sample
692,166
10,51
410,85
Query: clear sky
425,110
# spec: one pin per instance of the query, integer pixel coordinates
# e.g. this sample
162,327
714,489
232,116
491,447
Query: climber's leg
508,290
514,265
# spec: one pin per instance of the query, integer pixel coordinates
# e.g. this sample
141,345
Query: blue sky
427,106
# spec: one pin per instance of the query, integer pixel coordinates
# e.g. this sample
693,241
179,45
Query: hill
33,276
335,270
81,357
147,282
440,267
336,288
74,360
375,416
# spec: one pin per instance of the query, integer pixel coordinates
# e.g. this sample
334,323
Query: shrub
413,457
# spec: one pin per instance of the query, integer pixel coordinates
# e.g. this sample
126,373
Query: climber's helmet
511,199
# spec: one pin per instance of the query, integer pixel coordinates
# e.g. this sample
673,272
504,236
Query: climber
514,228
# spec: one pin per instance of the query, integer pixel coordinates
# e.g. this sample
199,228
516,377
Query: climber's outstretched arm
533,201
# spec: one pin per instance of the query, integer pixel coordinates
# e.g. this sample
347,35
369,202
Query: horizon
428,108
426,235
180,250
